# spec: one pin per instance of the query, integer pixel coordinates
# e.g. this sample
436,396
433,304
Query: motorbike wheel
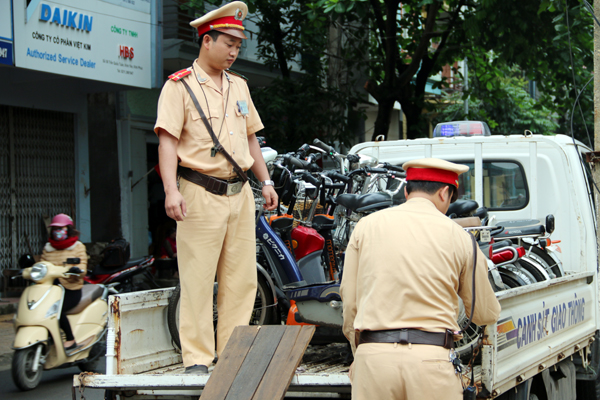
94,363
22,369
541,257
264,313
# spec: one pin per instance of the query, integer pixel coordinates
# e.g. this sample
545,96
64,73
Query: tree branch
422,48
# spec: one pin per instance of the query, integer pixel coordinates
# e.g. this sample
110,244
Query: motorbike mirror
549,223
74,260
26,261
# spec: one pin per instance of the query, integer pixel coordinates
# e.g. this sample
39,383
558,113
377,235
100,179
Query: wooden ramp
258,363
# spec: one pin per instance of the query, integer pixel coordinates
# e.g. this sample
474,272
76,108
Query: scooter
38,341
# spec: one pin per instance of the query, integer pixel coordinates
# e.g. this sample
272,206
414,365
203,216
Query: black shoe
196,370
72,347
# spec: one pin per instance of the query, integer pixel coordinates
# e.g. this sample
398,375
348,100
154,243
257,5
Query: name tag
243,107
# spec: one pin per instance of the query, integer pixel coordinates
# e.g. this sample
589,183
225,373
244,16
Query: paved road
55,385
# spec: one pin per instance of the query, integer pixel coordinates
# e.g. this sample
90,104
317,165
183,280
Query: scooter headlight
38,272
53,310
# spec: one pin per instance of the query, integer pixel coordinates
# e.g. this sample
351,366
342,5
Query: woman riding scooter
62,244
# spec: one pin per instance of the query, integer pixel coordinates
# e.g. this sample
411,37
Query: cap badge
239,14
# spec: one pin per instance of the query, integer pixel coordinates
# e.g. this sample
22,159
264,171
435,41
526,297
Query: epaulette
180,74
237,74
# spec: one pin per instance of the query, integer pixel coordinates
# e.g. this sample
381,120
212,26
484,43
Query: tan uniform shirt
231,113
57,257
406,266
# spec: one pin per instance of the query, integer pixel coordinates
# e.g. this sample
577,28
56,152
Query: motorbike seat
131,263
101,270
364,202
462,207
525,227
89,293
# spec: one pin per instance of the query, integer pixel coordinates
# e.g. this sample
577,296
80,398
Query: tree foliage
297,107
413,40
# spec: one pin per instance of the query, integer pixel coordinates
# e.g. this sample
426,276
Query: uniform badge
243,107
239,14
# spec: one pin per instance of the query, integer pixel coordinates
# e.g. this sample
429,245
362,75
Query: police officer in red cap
206,125
404,272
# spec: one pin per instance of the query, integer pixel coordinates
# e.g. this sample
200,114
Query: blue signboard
6,53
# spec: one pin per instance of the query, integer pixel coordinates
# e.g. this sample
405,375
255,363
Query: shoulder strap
180,74
473,297
218,147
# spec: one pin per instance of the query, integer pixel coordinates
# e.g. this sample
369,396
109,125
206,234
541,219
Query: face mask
59,234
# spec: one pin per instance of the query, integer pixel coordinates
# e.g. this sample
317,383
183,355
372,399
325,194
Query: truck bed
540,325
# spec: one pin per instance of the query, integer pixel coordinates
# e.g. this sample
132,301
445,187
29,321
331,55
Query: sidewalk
8,306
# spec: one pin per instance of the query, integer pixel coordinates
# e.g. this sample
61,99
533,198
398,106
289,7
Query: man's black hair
428,187
212,33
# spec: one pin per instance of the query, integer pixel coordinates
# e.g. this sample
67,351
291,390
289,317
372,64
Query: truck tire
264,313
587,390
22,369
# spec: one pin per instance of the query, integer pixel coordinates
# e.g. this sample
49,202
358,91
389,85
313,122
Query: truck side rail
539,326
138,340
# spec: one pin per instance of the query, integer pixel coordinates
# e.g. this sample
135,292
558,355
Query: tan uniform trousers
388,371
216,238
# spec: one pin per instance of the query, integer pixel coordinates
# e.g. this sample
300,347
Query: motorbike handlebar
376,170
337,176
394,168
310,179
324,146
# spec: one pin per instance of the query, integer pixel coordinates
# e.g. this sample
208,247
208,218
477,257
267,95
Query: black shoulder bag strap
474,266
218,147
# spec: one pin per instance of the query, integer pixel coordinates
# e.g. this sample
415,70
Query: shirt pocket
201,132
240,121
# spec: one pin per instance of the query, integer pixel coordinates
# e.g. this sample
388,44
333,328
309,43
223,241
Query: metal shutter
37,164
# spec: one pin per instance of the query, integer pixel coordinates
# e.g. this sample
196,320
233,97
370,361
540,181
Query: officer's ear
444,193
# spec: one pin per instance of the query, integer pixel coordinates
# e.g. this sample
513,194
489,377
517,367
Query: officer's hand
270,196
175,205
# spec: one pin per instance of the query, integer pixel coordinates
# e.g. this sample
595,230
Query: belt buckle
403,337
234,188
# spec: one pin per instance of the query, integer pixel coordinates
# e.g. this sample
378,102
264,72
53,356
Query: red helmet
61,220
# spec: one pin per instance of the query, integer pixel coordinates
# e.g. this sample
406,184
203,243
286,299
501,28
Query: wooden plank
230,362
283,366
256,363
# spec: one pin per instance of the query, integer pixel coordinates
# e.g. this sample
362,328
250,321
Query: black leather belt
213,185
406,336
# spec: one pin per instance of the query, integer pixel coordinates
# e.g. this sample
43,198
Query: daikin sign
93,39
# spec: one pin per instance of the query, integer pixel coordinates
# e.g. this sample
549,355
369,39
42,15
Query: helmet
61,220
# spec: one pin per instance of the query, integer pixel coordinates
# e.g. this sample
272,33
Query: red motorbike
133,276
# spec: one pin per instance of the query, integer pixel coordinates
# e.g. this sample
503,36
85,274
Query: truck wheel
586,390
22,369
264,312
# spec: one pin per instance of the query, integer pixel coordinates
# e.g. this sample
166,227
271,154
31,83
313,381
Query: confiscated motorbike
38,341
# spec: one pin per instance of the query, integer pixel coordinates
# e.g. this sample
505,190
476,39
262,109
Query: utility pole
596,165
466,86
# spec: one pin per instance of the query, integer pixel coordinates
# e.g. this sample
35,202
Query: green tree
412,41
303,102
507,107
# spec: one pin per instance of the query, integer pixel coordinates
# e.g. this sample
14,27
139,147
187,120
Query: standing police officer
404,271
213,205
